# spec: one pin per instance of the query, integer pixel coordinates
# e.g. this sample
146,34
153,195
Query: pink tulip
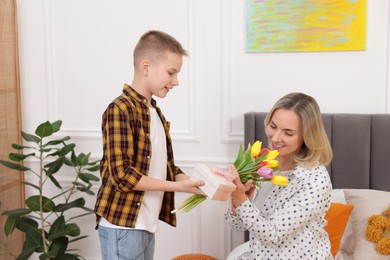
265,172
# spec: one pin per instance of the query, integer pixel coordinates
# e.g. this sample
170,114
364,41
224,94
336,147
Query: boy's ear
144,67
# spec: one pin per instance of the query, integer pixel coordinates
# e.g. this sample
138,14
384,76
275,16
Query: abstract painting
305,25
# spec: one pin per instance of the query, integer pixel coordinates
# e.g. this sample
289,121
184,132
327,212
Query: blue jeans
129,244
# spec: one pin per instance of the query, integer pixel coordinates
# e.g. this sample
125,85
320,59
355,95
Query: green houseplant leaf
44,130
87,177
45,224
78,203
14,166
10,225
34,203
16,212
25,224
72,229
57,229
30,137
55,166
59,141
65,150
19,157
56,126
57,248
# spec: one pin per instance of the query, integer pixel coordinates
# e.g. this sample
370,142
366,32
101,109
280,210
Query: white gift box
216,186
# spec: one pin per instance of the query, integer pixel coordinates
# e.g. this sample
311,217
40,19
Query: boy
138,173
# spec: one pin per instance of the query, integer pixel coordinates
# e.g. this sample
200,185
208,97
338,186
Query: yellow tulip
256,148
271,163
272,155
279,180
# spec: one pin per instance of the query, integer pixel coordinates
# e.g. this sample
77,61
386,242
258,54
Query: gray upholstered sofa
360,171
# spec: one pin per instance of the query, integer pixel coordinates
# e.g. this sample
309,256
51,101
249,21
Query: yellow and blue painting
305,25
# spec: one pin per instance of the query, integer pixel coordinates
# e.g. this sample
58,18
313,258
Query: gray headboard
360,143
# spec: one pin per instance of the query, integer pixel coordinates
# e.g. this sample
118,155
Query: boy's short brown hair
153,45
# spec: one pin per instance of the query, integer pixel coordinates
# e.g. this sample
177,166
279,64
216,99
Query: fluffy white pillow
367,203
338,196
238,251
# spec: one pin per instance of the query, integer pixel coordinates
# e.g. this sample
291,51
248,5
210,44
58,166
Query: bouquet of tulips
255,164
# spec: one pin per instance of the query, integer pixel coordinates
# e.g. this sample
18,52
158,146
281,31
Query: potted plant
46,222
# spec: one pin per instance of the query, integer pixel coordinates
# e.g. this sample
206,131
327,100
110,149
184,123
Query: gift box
216,186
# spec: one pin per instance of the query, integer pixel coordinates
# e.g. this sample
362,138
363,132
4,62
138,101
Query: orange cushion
337,217
194,257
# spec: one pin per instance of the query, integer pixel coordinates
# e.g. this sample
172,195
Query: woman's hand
242,191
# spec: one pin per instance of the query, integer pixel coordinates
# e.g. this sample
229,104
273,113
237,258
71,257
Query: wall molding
191,134
50,69
188,162
51,83
387,102
228,135
95,134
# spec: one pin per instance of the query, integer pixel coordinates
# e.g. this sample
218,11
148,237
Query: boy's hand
191,186
188,185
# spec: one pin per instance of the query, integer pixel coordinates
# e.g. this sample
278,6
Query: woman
291,223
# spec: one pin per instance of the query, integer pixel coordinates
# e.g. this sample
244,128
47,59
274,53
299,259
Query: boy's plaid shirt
126,158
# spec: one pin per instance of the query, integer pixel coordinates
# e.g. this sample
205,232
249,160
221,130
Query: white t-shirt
152,201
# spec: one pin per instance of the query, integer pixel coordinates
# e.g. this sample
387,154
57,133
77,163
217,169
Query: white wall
75,56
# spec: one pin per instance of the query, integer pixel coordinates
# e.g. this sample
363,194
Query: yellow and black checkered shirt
126,158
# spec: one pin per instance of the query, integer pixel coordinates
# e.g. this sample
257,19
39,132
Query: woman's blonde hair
316,148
